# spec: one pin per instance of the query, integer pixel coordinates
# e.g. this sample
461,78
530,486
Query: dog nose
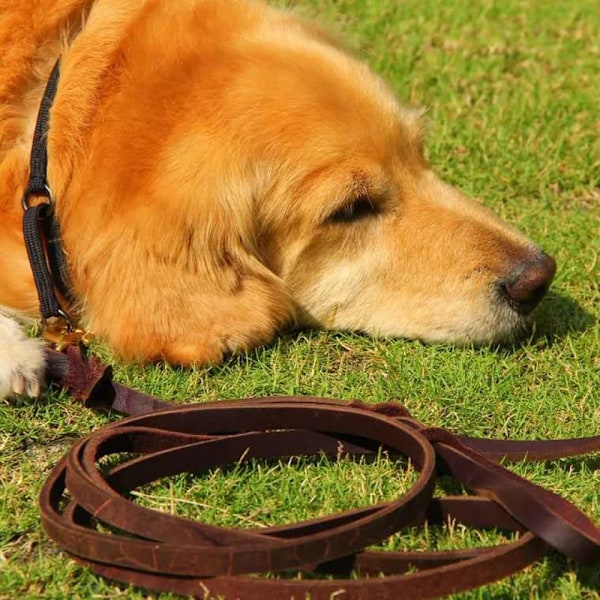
529,283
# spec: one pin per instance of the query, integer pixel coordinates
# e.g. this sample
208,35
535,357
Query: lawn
511,90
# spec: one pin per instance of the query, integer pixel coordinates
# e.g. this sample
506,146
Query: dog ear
234,304
178,276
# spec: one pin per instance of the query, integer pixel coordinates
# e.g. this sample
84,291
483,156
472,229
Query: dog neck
69,32
84,76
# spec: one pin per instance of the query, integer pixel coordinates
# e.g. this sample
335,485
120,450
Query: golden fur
223,170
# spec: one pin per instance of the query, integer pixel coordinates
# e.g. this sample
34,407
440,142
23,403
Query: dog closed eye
360,208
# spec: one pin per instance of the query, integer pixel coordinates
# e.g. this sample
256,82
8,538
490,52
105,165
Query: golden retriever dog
223,170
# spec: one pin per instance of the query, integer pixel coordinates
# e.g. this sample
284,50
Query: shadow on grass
558,565
591,461
558,316
287,342
589,576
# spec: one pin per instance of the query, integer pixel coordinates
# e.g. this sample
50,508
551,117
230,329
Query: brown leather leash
158,551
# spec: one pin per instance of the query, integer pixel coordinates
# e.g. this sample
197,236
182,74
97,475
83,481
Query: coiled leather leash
163,552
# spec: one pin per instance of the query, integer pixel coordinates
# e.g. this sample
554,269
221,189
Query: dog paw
21,361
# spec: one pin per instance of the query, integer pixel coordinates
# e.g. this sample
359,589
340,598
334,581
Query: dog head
354,221
258,173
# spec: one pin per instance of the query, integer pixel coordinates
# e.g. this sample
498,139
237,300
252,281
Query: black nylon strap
33,222
38,161
56,257
47,260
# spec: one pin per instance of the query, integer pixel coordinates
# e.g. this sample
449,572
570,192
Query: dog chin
500,327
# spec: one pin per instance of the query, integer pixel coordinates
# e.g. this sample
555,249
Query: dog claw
21,385
18,384
33,388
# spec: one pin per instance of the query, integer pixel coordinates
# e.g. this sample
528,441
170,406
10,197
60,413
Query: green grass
512,95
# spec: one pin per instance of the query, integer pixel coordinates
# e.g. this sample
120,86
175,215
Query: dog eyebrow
361,184
357,187
351,184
